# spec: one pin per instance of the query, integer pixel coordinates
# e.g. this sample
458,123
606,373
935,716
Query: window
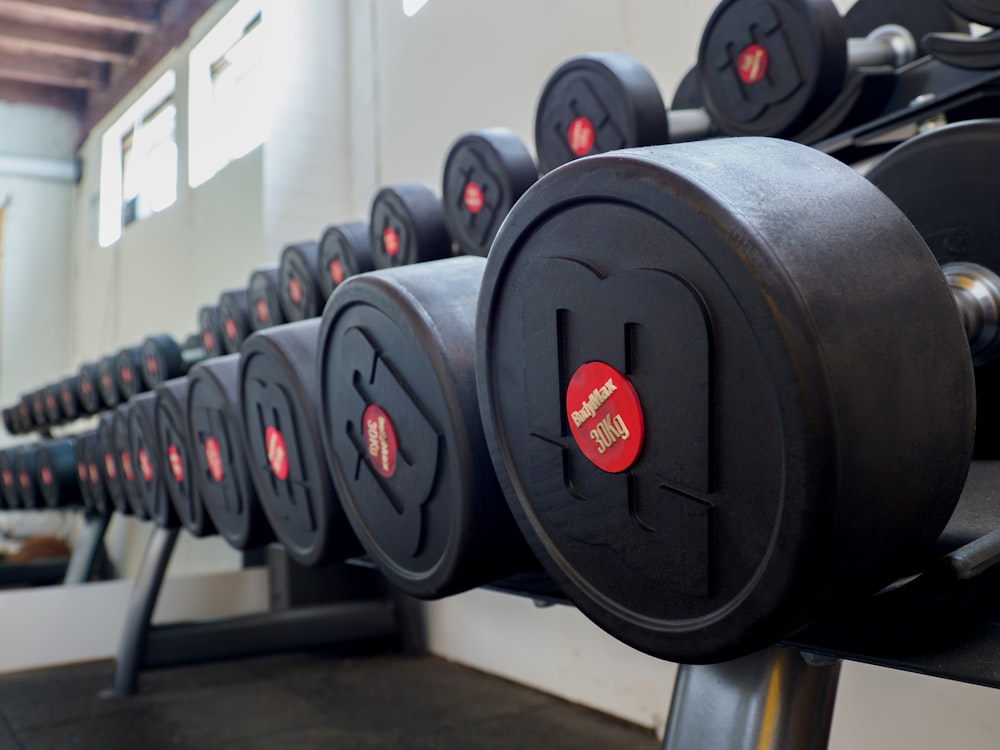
229,113
139,161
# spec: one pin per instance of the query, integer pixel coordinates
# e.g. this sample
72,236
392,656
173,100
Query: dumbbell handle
689,125
890,44
976,290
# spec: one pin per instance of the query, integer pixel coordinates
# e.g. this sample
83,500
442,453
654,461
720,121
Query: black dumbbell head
284,447
218,456
176,458
344,251
264,298
299,281
484,174
407,225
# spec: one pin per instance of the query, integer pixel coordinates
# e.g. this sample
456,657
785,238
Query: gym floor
299,701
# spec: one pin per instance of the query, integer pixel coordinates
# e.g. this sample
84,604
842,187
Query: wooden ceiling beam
51,71
24,38
130,16
71,100
178,16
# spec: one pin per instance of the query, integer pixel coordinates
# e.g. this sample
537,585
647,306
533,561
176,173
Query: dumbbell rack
361,610
944,623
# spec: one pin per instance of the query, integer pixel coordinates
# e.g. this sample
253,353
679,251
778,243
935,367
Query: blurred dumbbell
218,456
210,330
58,481
109,461
176,458
264,298
283,445
484,174
234,319
407,225
344,251
299,281
164,358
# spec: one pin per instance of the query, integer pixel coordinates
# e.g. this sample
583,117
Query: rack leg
145,592
770,700
89,549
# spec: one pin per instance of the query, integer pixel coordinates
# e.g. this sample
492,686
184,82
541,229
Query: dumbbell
164,358
344,250
8,478
176,459
283,444
985,12
26,475
129,371
234,319
128,462
218,456
772,68
937,179
144,444
402,433
703,488
299,281
58,482
38,416
107,381
485,173
264,299
69,397
109,460
210,330
407,225
605,101
53,408
88,458
88,389
24,413
10,420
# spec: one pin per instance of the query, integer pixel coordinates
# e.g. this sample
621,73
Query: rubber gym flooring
299,701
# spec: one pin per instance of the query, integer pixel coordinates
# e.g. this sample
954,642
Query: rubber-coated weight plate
264,298
407,225
299,281
484,174
344,251
696,364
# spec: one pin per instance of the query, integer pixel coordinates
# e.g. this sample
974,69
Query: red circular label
213,457
337,272
605,416
85,387
81,472
231,331
127,374
46,474
295,290
25,480
145,465
473,197
50,401
208,341
380,436
109,466
263,312
277,454
127,467
390,241
66,396
106,380
752,64
176,463
152,366
95,477
8,478
581,136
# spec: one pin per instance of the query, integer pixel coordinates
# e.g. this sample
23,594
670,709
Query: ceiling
84,56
